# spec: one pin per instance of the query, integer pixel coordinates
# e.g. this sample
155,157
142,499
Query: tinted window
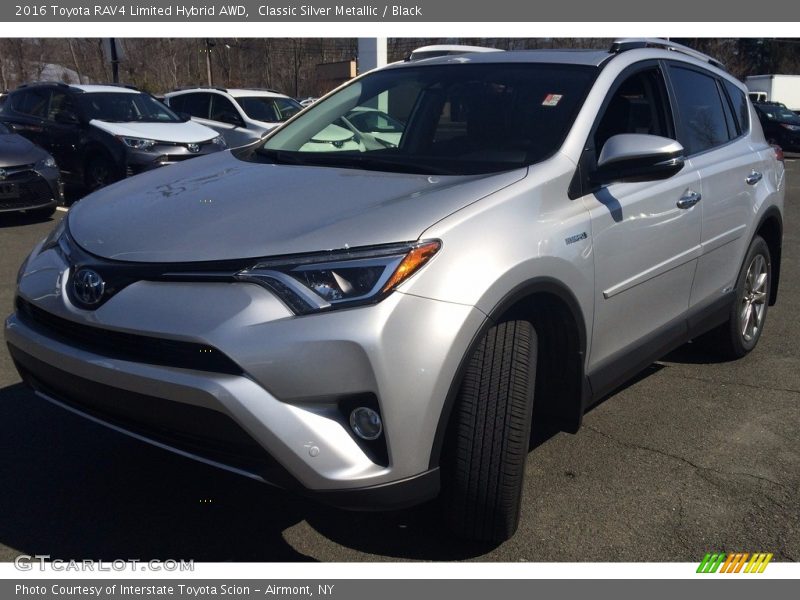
176,102
458,119
739,102
774,112
703,124
196,105
125,107
31,102
265,108
223,110
638,105
60,103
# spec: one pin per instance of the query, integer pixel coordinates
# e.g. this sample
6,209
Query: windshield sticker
552,99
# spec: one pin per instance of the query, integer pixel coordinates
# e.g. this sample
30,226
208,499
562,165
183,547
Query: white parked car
241,116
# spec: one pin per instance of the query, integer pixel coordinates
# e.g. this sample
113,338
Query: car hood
187,132
218,207
15,150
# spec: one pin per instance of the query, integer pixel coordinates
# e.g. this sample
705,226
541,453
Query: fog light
366,423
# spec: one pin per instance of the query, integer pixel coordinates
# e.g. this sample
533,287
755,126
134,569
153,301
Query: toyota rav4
372,324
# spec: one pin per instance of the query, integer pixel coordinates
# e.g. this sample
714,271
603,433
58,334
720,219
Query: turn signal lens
411,263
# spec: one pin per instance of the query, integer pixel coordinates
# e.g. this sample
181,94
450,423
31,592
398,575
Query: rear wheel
487,442
748,314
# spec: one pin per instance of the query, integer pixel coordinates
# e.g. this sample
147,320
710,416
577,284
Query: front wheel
99,172
41,214
489,433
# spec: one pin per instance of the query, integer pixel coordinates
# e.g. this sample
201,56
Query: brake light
778,152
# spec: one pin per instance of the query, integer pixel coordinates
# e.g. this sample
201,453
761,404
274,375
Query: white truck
775,88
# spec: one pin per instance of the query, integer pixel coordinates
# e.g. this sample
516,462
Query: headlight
52,240
312,283
54,237
219,141
138,143
46,163
22,268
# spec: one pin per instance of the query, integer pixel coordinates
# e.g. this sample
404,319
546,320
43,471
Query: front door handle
753,178
689,200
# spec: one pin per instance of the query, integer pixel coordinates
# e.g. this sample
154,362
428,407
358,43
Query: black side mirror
184,116
66,117
231,118
630,157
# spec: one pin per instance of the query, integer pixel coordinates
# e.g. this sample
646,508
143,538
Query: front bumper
34,189
277,419
137,161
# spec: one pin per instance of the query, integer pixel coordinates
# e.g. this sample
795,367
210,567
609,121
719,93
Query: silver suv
373,324
241,116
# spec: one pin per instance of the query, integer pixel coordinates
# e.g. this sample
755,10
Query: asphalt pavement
693,456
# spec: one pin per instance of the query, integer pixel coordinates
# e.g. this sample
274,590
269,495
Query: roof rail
199,87
446,50
122,85
262,89
631,43
30,83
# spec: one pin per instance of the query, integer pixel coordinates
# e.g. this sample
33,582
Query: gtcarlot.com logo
42,562
734,562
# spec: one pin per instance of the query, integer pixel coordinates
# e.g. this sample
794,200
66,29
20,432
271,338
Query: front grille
31,188
127,346
173,158
197,430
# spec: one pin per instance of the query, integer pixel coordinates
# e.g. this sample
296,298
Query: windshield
449,119
272,110
779,113
124,107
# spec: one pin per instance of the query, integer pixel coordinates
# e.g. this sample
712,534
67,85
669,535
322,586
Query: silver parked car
29,177
374,325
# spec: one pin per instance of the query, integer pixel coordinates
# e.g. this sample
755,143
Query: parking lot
693,456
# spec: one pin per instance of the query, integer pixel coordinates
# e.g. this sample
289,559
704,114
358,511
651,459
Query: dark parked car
101,133
781,125
29,178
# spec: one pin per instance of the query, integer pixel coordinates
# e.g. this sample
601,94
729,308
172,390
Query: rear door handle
753,178
689,200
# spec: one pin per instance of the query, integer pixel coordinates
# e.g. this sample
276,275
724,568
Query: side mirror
66,117
184,116
630,157
231,118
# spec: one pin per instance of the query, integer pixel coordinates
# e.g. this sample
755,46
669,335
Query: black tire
733,339
41,213
489,434
99,172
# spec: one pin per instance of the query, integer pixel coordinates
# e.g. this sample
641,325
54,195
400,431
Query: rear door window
223,110
196,105
739,102
32,102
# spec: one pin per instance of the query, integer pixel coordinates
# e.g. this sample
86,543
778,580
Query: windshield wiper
398,165
279,157
352,161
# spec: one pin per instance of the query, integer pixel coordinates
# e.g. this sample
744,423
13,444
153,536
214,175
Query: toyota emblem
88,287
194,148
